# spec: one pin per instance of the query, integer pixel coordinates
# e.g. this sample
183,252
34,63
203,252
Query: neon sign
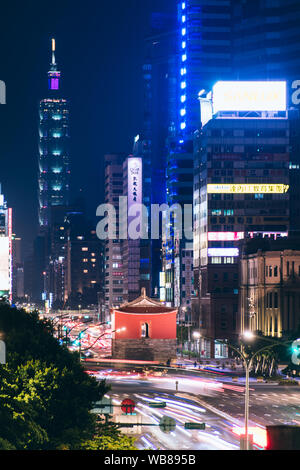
247,188
225,236
234,252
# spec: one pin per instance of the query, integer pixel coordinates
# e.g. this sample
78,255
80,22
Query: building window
275,271
271,300
145,330
275,300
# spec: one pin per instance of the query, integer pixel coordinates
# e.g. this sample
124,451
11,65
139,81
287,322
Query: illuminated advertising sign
247,188
268,234
249,96
4,264
225,236
162,294
223,252
162,279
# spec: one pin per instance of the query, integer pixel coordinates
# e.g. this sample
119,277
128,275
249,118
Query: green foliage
182,333
288,382
45,394
122,442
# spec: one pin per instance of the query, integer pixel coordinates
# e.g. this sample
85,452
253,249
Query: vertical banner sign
10,251
135,189
134,181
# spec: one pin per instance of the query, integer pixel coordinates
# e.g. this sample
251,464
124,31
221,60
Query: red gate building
144,330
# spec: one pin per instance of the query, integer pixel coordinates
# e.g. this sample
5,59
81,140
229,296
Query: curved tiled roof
144,304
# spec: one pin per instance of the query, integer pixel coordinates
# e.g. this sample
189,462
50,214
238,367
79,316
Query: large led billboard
4,264
249,96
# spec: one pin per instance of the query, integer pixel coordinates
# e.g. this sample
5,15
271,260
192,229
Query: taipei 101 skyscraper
54,160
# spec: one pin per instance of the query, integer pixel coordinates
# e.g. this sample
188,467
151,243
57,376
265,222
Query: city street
217,401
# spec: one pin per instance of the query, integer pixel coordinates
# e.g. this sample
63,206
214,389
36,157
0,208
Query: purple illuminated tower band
53,74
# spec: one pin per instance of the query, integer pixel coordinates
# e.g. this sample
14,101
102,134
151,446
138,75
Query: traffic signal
167,424
296,352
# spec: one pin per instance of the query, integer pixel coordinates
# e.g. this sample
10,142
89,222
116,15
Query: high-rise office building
136,248
203,56
266,39
53,187
241,189
82,263
266,46
115,294
160,111
54,160
128,256
17,268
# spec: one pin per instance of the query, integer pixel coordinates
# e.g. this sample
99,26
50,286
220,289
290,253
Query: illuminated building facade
113,263
203,56
54,162
149,258
160,73
17,268
128,263
136,253
265,40
241,190
6,272
83,261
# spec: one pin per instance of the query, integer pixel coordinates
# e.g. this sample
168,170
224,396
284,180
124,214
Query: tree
108,437
45,394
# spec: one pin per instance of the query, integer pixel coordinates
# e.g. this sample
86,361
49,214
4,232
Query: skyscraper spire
53,74
53,64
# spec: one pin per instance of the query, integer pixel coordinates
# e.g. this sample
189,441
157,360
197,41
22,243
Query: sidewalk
237,372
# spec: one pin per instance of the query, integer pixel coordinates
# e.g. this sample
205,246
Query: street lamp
248,336
197,336
182,322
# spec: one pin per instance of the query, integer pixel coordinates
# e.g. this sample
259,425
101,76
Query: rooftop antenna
53,52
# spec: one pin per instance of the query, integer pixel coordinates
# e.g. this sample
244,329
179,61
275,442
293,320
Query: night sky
100,52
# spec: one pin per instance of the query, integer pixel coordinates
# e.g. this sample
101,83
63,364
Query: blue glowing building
203,57
54,161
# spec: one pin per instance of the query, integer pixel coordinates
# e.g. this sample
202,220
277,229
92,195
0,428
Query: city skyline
107,76
150,227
